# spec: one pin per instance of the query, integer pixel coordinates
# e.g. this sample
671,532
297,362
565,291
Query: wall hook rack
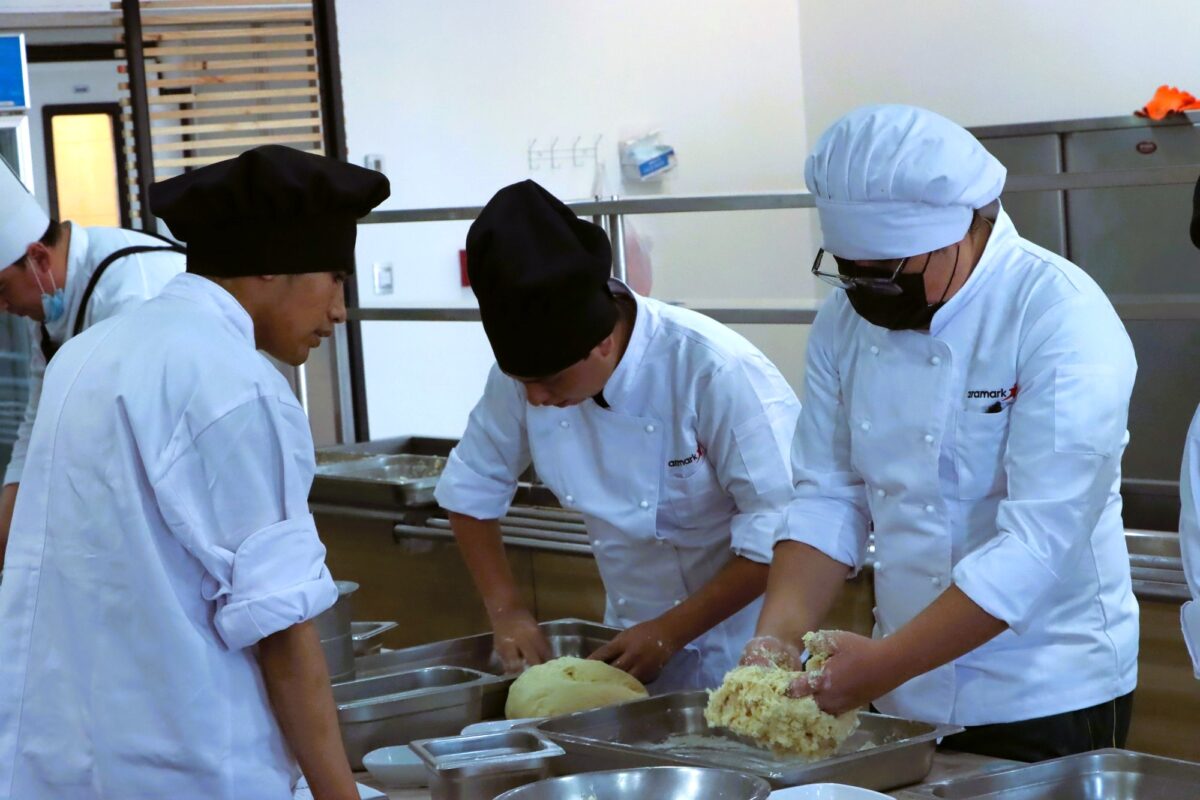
579,153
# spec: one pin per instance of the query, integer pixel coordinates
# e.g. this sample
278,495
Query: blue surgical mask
54,304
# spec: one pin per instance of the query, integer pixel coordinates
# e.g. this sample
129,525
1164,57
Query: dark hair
51,238
53,234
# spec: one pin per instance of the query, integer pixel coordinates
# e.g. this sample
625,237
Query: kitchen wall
985,64
452,93
469,84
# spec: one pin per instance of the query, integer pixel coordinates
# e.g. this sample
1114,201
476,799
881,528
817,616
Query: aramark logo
988,394
692,459
1003,397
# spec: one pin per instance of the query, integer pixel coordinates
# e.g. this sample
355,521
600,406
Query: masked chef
1189,516
64,277
668,432
155,634
966,402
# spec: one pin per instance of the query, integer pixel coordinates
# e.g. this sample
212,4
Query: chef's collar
208,293
621,382
997,243
74,283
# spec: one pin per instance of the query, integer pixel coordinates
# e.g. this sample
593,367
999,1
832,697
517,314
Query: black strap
49,348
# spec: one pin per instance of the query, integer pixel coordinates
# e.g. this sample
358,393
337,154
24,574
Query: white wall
451,93
994,63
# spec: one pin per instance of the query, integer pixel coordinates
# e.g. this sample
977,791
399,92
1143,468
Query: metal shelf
776,201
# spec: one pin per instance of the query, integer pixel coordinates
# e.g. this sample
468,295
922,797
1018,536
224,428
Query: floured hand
768,651
518,640
852,672
642,650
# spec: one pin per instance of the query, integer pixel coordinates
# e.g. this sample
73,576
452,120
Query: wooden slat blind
223,76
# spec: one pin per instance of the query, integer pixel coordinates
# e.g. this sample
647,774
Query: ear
38,255
607,345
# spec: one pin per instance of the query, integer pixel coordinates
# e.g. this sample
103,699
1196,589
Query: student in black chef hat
667,431
275,227
171,467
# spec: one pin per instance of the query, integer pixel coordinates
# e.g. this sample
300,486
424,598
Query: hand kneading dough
569,684
753,702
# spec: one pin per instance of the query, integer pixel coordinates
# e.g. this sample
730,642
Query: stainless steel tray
365,636
479,767
383,480
884,753
1100,775
504,751
567,637
393,709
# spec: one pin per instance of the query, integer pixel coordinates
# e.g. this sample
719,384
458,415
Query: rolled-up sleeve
481,474
828,509
1066,434
237,499
1189,540
747,419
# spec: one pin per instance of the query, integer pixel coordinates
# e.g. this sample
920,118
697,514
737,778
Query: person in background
64,278
667,431
1189,496
967,394
163,571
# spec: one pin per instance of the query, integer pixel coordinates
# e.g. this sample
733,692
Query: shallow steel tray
884,753
567,637
401,479
392,709
1100,775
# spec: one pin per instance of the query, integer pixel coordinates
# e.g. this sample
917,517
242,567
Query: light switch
383,278
373,161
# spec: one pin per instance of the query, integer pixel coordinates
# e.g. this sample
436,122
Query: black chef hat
1196,215
272,210
541,276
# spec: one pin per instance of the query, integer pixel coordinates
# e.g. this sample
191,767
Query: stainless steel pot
335,620
337,642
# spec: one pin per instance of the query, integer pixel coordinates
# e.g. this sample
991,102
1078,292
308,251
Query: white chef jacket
1020,507
126,284
161,531
1189,539
686,467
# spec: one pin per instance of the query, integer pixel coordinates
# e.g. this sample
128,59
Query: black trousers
1105,725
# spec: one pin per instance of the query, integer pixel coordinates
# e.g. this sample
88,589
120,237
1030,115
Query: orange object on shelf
1169,100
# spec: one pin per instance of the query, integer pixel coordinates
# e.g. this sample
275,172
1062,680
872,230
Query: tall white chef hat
892,181
22,220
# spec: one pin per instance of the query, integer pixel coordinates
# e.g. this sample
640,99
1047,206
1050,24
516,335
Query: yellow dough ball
569,684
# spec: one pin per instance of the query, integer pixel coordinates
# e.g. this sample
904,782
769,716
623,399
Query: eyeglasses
867,283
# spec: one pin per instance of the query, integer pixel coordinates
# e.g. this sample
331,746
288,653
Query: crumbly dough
568,684
753,702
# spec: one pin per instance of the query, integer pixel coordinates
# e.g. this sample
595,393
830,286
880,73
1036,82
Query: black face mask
907,310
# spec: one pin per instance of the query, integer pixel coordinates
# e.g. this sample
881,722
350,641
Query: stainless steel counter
1187,119
536,522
